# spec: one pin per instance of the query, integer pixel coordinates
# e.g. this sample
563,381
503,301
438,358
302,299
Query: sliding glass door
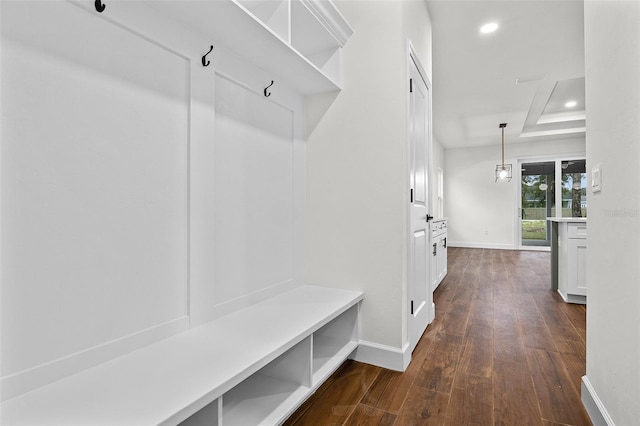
537,202
545,185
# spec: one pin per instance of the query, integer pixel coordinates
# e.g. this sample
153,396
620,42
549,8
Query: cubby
333,343
274,14
268,395
208,416
313,40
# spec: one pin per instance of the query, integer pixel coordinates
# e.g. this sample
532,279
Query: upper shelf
297,40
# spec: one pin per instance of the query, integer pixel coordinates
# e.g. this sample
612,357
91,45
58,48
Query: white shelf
315,36
333,343
308,34
274,14
259,32
328,354
261,400
208,416
169,381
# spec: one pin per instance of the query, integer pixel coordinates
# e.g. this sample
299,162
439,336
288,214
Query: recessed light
571,104
488,28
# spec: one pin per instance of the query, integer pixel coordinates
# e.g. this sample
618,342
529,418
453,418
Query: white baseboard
24,381
480,245
383,356
594,406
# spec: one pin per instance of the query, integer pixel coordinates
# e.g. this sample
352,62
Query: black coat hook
99,6
267,94
206,62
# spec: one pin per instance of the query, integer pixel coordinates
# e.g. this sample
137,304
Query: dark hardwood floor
503,350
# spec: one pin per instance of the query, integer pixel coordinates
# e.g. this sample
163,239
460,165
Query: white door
420,296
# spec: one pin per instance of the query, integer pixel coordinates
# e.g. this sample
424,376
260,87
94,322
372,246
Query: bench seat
277,351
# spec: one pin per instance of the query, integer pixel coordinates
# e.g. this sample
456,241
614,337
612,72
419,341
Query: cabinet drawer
577,230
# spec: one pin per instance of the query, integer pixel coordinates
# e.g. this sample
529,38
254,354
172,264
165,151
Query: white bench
254,366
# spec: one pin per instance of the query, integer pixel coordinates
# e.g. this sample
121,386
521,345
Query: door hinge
410,85
412,307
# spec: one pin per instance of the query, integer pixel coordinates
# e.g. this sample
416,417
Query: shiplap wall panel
94,183
253,166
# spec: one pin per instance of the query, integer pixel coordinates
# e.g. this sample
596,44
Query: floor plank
439,366
477,355
471,401
515,401
423,407
368,416
388,391
556,394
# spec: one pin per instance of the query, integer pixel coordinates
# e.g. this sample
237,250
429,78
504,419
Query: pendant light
503,171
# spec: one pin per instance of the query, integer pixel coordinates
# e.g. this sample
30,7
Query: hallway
502,350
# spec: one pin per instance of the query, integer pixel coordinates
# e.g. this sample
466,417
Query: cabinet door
576,256
442,258
435,273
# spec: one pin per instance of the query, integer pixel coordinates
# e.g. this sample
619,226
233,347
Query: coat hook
99,6
206,62
265,90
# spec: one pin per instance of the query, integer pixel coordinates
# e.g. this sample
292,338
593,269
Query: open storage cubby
312,38
274,14
207,416
333,343
269,395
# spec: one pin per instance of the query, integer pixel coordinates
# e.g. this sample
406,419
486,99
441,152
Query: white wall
612,47
475,203
437,155
357,175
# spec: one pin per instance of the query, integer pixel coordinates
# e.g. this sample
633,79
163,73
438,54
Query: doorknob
429,217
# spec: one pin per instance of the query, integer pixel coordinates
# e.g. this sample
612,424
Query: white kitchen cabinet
439,252
568,258
576,261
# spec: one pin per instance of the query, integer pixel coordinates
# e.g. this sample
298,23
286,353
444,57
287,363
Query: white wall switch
596,178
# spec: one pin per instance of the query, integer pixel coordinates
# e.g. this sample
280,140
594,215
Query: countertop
568,219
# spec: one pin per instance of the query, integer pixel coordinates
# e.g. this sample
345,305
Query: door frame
558,159
408,346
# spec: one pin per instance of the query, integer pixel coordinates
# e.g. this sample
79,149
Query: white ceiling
522,74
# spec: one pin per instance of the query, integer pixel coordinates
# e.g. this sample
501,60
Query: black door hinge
412,195
412,307
410,85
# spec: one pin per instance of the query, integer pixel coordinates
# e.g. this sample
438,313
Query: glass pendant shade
503,171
